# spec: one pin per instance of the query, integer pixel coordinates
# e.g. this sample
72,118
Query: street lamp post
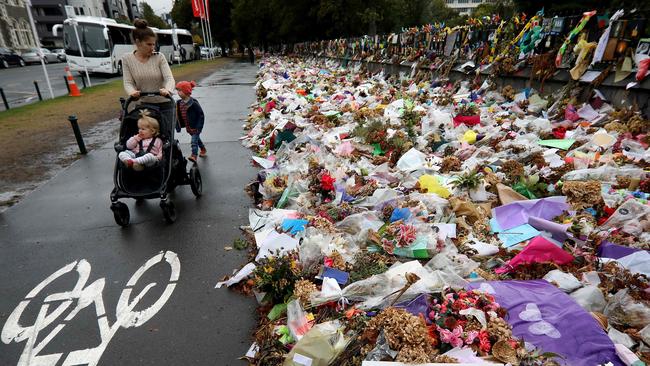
206,5
28,5
73,21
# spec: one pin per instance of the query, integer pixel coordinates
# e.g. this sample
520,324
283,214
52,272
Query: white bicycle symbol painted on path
85,296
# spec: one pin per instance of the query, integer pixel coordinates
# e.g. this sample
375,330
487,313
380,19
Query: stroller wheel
121,213
169,211
195,181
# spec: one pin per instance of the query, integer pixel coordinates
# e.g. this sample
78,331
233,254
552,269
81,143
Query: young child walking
190,116
145,148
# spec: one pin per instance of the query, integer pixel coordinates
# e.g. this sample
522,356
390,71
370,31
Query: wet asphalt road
18,82
67,222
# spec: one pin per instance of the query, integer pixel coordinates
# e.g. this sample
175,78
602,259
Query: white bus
176,45
104,41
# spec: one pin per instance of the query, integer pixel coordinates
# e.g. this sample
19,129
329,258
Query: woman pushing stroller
148,79
147,71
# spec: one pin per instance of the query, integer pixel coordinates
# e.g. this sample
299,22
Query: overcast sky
159,6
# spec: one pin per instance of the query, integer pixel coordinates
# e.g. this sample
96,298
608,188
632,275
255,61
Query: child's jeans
148,159
196,144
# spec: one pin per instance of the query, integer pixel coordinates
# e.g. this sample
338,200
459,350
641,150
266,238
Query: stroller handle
130,99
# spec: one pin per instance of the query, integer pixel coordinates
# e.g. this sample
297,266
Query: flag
197,8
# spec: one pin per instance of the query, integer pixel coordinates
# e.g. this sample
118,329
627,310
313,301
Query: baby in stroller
144,148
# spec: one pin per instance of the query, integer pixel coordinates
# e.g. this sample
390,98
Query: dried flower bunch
303,289
582,194
336,261
450,164
368,264
513,170
614,278
508,92
405,333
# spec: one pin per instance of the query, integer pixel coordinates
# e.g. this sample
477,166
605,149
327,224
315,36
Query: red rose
484,342
559,132
327,182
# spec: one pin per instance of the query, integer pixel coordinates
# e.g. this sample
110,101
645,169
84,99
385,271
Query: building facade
93,8
167,18
15,30
48,13
465,7
116,9
133,9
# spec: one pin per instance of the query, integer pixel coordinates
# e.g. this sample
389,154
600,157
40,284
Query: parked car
9,57
60,53
206,52
33,55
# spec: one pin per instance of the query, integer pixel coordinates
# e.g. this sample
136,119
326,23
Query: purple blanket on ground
552,321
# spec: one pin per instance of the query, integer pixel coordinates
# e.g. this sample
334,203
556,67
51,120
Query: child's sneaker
192,158
137,167
128,163
203,152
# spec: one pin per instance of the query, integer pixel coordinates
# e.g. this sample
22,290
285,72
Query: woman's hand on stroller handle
138,94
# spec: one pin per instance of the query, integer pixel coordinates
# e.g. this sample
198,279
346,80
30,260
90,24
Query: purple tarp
557,231
517,213
614,251
417,306
551,320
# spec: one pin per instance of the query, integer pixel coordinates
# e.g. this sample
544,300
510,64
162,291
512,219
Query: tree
123,20
220,22
441,13
504,8
280,21
182,13
151,17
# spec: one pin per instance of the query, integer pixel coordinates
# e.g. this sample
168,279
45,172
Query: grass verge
34,135
98,103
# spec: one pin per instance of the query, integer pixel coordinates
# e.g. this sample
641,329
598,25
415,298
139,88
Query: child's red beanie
186,86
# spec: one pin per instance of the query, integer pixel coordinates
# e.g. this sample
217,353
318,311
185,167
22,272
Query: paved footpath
75,288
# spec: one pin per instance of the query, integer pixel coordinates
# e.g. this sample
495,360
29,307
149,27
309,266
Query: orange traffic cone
74,90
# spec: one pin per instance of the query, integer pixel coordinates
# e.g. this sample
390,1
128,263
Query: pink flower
471,336
388,246
406,235
451,337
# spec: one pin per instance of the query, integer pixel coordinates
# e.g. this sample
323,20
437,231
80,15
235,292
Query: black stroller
156,181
